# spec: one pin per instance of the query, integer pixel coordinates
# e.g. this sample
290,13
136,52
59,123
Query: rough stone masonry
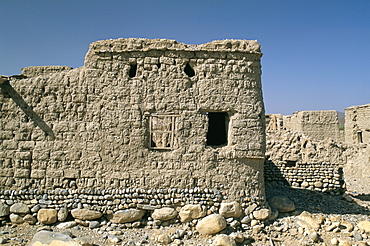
142,123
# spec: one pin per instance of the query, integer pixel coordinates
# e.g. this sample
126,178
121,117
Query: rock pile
282,221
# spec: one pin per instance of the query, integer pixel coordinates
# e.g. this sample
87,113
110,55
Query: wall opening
133,70
291,164
359,137
218,123
189,70
162,131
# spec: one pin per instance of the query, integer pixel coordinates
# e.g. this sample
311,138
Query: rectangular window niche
218,124
162,131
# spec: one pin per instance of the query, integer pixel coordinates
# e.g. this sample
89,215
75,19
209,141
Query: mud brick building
140,114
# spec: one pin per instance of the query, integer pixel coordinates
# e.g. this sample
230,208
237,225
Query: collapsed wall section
297,160
135,119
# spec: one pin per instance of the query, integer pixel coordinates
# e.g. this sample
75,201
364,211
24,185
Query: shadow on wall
273,173
8,91
315,201
320,176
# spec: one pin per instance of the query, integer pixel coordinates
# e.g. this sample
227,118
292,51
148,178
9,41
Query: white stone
190,212
223,240
47,238
262,214
211,224
85,214
127,215
19,208
164,214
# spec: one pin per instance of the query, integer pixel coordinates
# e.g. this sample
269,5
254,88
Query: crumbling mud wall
357,133
303,157
139,118
357,124
318,125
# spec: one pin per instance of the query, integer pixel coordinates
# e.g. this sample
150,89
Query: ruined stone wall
301,162
357,124
357,133
318,125
87,130
297,156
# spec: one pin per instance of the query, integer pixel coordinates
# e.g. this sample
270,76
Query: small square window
162,131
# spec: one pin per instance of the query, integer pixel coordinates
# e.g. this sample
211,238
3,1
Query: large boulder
309,221
85,214
127,215
211,224
47,238
282,204
164,214
47,216
4,209
19,208
231,209
190,212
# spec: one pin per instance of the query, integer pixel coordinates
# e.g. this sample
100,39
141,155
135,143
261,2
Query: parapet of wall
318,125
43,70
95,127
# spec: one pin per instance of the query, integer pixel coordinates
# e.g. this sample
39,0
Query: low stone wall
297,160
318,176
128,207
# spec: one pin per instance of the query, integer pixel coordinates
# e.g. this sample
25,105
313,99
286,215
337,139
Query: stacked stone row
113,200
205,221
319,177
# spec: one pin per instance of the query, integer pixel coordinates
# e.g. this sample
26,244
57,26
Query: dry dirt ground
282,231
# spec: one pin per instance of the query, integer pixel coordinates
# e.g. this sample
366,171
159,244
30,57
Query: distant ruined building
310,150
142,117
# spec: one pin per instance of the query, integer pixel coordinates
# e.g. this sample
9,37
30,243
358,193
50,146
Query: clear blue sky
316,52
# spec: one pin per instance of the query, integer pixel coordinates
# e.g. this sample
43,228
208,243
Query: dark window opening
132,71
189,70
217,128
291,164
359,137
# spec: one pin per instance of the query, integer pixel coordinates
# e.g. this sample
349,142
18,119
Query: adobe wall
357,124
357,133
86,132
319,125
